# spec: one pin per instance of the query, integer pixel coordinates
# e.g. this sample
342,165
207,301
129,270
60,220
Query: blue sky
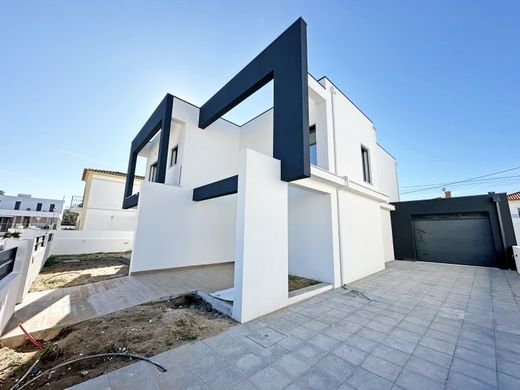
440,80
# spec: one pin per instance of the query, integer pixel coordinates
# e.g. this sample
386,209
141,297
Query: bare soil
145,330
296,282
76,270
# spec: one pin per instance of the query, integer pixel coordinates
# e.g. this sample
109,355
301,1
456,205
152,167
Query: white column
261,248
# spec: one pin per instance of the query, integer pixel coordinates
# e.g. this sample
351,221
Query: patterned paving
413,326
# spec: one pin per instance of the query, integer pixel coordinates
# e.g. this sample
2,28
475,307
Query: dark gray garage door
462,238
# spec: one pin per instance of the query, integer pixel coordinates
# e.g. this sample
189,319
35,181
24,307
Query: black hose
159,367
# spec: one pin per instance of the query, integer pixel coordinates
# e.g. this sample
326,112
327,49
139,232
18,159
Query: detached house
302,189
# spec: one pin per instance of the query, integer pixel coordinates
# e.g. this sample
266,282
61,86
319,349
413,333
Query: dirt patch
296,282
76,270
145,330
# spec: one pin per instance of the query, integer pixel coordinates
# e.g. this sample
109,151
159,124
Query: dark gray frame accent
7,259
222,187
285,62
159,120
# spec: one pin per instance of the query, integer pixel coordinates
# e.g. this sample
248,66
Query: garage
459,238
470,230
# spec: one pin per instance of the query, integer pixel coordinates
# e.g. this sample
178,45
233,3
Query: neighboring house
100,206
24,211
514,206
302,189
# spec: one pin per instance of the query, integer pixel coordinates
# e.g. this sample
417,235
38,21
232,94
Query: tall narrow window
17,205
39,207
365,157
51,207
313,152
153,172
173,156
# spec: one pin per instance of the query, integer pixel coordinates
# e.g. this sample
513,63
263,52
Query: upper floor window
39,207
313,152
173,156
17,205
153,172
51,207
365,158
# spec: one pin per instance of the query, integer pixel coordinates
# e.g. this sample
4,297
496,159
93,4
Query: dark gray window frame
366,165
159,120
173,161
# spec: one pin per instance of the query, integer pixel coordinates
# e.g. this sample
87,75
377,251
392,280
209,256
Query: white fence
32,251
75,242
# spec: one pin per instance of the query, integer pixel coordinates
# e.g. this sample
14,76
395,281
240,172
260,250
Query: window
173,156
39,207
51,207
17,205
153,172
313,153
365,157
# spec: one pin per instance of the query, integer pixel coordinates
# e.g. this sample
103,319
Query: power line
459,181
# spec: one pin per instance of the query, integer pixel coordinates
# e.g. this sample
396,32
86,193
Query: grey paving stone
135,375
475,371
310,353
508,382
361,343
317,378
337,333
487,360
391,354
324,342
292,365
221,376
372,334
315,325
365,380
381,367
303,333
509,368
270,378
406,335
458,381
412,327
290,343
401,344
428,369
266,336
351,354
440,358
336,367
411,380
476,346
380,326
438,345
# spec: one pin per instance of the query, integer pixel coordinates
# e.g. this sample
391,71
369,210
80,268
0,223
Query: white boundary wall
75,242
261,265
186,233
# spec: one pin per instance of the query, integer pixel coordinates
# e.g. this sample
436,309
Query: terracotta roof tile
514,196
113,173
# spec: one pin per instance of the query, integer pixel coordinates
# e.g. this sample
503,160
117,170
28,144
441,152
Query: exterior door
462,238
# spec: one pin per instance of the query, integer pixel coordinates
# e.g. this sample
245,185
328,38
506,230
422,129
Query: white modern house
514,205
313,203
24,211
100,206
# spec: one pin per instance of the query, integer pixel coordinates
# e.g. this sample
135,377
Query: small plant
12,235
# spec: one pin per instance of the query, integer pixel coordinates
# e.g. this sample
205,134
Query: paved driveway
415,326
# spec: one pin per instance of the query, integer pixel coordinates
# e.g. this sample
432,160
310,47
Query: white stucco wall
310,235
514,206
261,249
386,227
74,242
103,208
386,171
185,233
362,247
